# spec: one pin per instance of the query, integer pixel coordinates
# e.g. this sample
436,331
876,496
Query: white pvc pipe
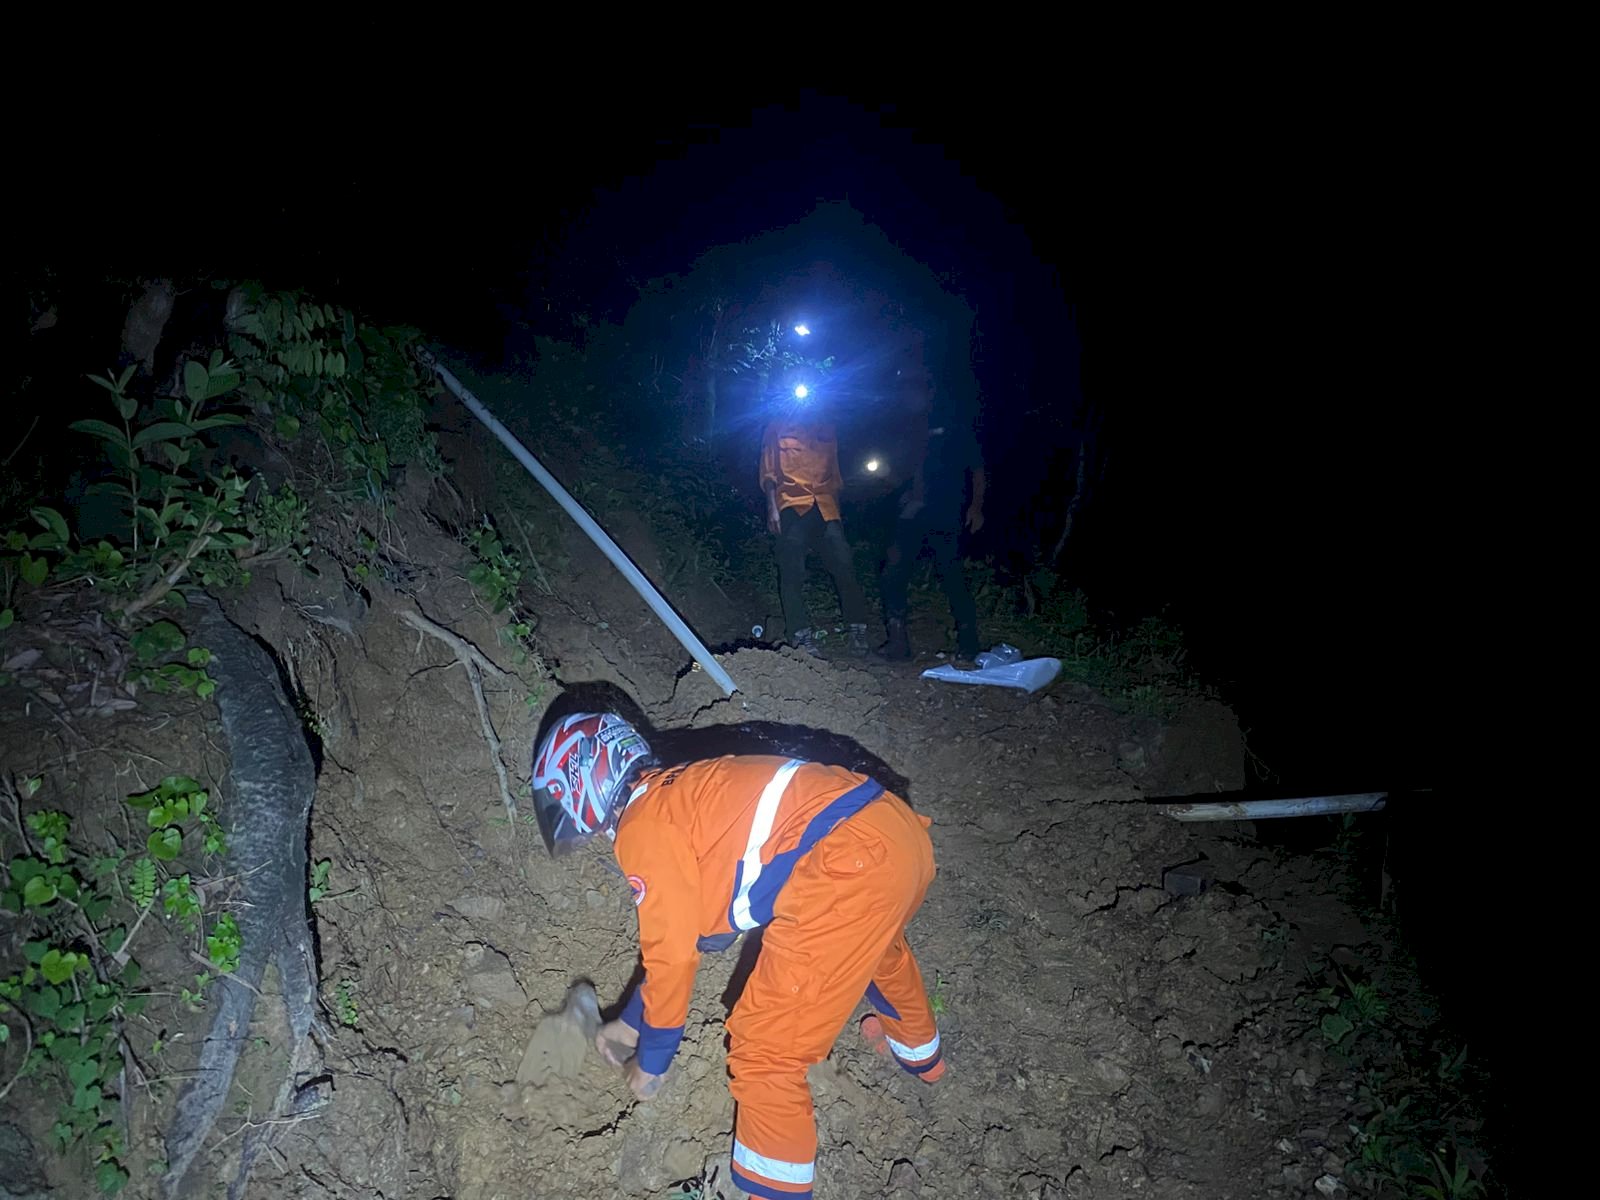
599,536
1256,810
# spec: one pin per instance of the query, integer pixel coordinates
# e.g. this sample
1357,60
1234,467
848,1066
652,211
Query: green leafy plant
26,557
212,840
1449,1183
156,641
160,640
195,998
313,365
345,999
278,521
179,899
104,566
1351,1009
51,830
223,944
180,519
519,636
74,985
310,719
1402,1140
320,870
142,882
1412,1102
936,998
321,883
495,572
167,806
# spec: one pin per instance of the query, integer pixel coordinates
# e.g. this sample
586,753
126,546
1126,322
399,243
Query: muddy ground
1105,1037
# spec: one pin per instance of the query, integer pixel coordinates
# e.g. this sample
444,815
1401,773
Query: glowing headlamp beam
801,391
803,329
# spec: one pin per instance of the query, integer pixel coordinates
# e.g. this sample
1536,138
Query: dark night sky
1271,476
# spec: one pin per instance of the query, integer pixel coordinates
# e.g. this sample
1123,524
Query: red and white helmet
580,773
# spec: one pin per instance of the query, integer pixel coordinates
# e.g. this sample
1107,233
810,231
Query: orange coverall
802,459
833,866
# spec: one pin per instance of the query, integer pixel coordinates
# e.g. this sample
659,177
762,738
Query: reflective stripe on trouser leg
911,1031
843,906
765,1176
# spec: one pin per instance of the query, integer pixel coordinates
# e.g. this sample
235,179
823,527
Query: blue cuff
632,1014
881,1002
657,1046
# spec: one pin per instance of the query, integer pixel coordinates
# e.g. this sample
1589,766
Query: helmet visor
562,835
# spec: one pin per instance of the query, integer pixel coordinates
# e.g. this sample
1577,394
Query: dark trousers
909,534
796,532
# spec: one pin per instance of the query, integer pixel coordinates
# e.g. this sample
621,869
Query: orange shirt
706,848
802,460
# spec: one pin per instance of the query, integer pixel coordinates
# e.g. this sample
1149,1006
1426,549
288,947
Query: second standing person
800,476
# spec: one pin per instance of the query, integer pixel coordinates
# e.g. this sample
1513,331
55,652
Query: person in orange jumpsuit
802,482
827,861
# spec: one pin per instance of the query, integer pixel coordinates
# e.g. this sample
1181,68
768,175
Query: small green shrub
1413,1103
496,572
319,879
278,520
313,365
174,801
224,945
180,519
76,982
345,998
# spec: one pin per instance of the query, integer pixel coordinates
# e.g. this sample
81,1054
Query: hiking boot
858,641
805,642
898,647
967,648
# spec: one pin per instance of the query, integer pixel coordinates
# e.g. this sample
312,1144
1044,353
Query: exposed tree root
475,664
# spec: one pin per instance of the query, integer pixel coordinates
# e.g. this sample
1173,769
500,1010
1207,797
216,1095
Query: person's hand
614,1038
641,1083
774,523
974,519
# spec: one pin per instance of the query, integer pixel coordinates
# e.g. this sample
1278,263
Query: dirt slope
1105,1038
